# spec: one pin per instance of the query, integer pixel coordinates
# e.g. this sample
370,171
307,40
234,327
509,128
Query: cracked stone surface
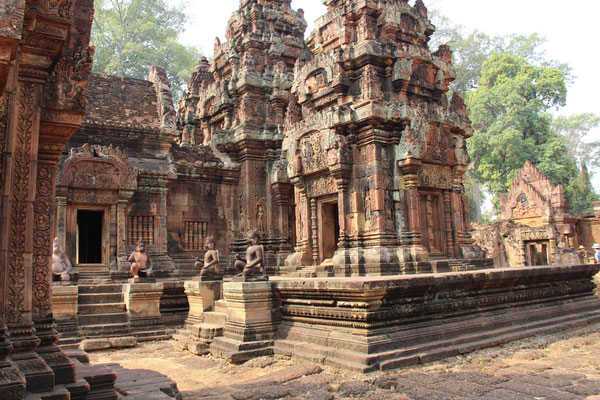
560,366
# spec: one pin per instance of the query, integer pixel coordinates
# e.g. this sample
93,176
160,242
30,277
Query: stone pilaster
249,331
21,279
412,247
63,367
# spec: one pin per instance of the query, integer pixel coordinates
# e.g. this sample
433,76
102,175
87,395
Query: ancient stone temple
236,107
535,226
45,62
112,186
375,151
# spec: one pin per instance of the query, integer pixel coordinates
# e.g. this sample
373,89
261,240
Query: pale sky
571,29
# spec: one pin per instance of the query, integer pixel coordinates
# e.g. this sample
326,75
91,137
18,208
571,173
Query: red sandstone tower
375,151
236,106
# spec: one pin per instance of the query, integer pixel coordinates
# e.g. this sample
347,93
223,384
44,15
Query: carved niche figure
141,264
61,266
211,259
367,209
260,218
255,256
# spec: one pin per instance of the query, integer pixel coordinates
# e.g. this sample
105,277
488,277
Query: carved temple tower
375,150
236,105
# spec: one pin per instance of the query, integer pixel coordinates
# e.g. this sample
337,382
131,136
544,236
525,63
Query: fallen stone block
122,342
94,344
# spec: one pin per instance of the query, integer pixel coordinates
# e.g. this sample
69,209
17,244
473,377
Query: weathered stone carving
69,82
141,264
253,264
98,167
61,266
211,259
370,96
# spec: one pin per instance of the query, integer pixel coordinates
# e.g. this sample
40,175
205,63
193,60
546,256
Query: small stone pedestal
143,304
249,331
201,295
64,308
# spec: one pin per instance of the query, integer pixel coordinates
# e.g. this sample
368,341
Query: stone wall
373,324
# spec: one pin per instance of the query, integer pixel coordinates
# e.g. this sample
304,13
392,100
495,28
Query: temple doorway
89,236
433,223
329,229
537,253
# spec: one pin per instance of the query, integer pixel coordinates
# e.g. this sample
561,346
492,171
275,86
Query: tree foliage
510,91
510,117
132,35
575,129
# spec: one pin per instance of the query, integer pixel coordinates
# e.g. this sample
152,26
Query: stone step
100,298
90,289
215,318
59,393
108,318
101,308
106,330
68,341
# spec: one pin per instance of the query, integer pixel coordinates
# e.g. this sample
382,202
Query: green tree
575,129
580,192
132,35
510,117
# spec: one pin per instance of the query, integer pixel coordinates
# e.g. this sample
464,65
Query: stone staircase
102,313
196,338
93,275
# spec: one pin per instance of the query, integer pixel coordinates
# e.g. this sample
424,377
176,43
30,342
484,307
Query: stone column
162,217
19,240
112,257
448,220
43,227
12,381
413,249
249,331
343,210
315,231
61,217
122,255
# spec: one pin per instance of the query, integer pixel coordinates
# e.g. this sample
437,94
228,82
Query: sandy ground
558,366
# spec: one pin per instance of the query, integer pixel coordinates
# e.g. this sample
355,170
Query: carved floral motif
18,212
43,212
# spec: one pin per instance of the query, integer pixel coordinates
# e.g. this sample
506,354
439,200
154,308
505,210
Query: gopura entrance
93,192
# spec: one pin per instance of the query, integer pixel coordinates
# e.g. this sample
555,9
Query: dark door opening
89,237
330,230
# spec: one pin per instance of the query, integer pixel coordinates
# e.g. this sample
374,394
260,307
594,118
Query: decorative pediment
532,195
98,167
